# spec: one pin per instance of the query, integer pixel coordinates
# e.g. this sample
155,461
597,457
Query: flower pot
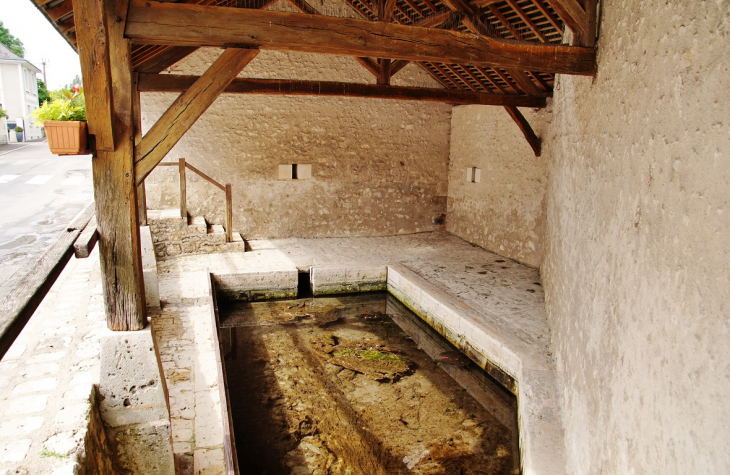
66,137
19,136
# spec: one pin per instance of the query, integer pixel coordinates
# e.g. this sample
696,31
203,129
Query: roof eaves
43,11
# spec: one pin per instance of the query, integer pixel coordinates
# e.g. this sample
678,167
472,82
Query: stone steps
174,235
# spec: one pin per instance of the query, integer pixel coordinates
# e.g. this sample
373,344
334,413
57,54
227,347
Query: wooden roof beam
154,22
180,83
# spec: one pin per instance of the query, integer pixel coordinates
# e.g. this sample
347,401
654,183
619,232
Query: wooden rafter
192,25
572,13
528,21
187,108
373,67
180,83
60,10
548,14
527,86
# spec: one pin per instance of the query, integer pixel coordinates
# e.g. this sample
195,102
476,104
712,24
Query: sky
41,41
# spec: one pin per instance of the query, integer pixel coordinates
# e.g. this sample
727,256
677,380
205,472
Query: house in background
18,93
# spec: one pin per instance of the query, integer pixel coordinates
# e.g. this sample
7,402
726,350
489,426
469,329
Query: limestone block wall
636,268
379,167
503,210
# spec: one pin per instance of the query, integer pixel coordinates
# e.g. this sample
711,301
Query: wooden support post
229,213
183,191
115,190
93,45
384,77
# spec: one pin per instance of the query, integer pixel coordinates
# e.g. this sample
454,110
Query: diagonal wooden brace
187,108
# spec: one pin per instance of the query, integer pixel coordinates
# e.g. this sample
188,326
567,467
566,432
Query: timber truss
494,52
490,52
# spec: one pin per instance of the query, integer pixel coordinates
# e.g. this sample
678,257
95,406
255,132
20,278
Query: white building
18,93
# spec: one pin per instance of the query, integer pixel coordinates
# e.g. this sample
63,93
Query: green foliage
368,354
64,105
43,94
19,129
51,453
13,43
3,113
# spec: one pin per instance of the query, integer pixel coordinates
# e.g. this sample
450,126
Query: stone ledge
541,435
257,285
341,280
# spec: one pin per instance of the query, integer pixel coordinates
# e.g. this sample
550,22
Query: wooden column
384,77
115,190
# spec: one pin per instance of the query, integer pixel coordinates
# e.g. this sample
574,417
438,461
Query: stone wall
637,247
504,211
379,167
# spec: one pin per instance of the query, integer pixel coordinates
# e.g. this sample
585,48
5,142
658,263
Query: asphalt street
40,194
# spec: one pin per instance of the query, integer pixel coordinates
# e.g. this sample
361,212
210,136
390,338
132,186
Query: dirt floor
358,385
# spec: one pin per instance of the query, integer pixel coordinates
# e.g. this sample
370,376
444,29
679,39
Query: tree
43,94
13,43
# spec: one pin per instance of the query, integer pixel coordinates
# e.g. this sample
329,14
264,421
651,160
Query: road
40,194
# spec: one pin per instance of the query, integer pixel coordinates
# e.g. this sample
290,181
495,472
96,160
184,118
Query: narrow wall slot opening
473,175
295,171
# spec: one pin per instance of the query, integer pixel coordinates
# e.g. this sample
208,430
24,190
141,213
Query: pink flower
76,87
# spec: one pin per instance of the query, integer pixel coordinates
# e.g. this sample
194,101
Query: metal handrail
182,164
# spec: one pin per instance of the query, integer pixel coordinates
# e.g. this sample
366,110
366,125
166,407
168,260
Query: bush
66,105
19,129
3,113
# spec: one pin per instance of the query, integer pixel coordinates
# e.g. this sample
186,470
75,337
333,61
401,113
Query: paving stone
63,443
45,384
15,352
16,427
182,447
27,404
71,414
209,461
66,469
81,391
46,357
14,451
